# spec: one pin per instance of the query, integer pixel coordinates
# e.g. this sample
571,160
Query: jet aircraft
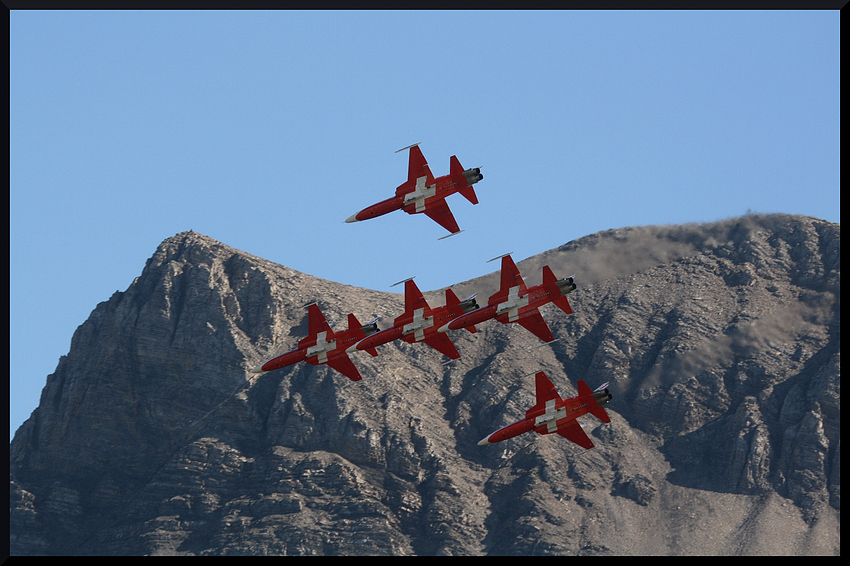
420,322
551,413
514,302
423,193
323,346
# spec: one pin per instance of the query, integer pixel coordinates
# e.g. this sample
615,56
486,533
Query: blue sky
266,130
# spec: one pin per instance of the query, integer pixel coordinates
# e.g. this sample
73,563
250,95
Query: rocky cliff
721,342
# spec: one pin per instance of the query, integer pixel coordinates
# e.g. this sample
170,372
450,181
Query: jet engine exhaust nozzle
566,285
469,305
473,175
602,397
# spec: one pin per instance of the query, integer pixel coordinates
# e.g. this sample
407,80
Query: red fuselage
422,192
550,417
317,350
412,199
383,207
510,306
283,360
413,327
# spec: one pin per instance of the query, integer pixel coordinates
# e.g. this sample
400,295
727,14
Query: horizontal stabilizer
563,304
469,194
600,414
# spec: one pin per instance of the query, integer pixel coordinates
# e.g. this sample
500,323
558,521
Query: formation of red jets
513,302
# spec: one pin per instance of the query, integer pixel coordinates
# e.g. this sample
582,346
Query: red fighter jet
423,193
553,414
419,323
323,346
514,302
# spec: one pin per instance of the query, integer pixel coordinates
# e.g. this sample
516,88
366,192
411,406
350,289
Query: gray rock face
721,342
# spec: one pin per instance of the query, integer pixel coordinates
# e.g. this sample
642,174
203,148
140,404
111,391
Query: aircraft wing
534,323
544,392
345,366
443,344
418,167
316,322
413,299
573,432
510,276
439,212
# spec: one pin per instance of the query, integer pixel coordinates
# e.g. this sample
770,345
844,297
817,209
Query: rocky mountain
721,342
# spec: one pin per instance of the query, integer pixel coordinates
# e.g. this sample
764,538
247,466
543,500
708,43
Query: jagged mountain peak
721,342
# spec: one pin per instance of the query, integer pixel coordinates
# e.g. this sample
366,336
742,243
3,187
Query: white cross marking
512,304
420,193
551,416
322,347
418,325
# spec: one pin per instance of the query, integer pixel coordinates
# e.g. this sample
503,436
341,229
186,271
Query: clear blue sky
266,130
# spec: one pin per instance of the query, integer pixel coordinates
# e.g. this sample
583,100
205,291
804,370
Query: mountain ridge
721,340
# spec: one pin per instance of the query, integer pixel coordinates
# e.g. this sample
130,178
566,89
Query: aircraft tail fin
549,277
583,388
451,298
456,172
598,412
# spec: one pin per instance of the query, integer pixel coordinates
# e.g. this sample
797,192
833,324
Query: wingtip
403,281
484,441
352,218
450,235
499,257
408,147
258,369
